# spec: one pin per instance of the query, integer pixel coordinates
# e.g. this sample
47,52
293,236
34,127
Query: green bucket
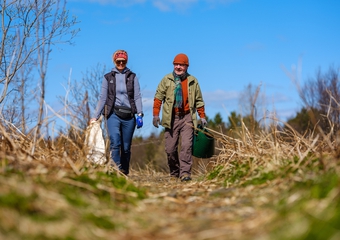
204,143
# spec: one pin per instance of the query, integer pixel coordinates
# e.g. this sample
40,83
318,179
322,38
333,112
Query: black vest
111,92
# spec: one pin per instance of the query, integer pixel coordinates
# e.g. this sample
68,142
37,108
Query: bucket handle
204,130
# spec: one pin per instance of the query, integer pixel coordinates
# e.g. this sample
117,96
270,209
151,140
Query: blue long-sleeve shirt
121,93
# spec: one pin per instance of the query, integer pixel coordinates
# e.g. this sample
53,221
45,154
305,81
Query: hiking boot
185,179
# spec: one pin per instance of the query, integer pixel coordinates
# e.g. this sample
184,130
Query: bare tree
29,30
20,114
20,21
84,95
25,81
249,103
51,25
322,95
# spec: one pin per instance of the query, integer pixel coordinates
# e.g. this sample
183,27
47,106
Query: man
181,96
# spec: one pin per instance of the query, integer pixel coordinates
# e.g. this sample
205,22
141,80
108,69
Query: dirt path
198,210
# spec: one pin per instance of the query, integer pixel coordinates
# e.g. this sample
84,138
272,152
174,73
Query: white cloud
169,5
147,103
162,5
220,96
220,1
122,3
182,5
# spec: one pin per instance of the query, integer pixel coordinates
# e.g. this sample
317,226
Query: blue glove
139,121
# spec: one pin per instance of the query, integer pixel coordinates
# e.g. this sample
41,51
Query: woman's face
120,64
179,69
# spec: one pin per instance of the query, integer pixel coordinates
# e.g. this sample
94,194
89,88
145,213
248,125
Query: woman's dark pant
121,133
180,165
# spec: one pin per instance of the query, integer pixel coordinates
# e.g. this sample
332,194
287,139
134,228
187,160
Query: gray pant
182,129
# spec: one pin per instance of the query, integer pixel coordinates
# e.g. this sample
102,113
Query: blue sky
230,44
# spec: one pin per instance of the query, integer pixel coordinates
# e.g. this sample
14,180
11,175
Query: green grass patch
238,172
23,204
50,199
100,221
262,178
73,195
215,172
310,210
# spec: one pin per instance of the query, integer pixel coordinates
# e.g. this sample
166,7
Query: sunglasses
120,62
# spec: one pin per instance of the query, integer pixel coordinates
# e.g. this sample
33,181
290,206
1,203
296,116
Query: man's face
180,68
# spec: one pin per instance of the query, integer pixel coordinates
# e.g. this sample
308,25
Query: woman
120,99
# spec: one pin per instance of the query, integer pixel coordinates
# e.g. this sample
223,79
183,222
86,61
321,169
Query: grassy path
199,210
149,205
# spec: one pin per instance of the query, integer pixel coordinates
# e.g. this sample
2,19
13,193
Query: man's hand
156,121
204,122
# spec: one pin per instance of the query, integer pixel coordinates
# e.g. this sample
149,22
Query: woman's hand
92,120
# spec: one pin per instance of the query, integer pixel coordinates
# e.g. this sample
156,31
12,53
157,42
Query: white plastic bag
95,144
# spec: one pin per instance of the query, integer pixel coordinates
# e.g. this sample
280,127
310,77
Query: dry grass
263,185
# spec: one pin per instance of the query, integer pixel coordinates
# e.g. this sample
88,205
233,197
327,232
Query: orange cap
181,59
